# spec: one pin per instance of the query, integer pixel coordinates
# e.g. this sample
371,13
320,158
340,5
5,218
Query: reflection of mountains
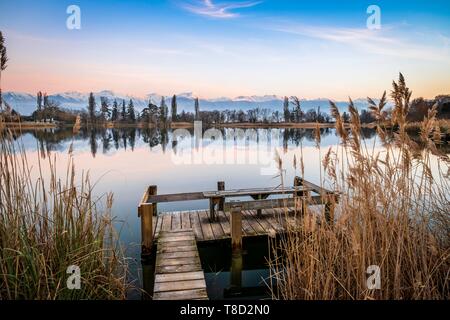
127,138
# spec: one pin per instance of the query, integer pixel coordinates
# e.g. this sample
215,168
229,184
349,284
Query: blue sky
227,48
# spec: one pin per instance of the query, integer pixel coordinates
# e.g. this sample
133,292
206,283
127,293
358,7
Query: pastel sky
227,48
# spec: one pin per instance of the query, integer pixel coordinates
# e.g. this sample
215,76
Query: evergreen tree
104,108
46,105
123,114
131,115
153,112
91,107
39,106
115,111
163,110
174,108
287,114
3,61
197,109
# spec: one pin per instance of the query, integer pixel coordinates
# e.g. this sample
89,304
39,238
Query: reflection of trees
93,142
49,139
295,135
368,133
57,139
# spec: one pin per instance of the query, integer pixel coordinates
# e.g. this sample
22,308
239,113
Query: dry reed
394,212
49,224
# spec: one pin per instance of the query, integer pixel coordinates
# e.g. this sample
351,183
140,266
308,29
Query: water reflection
126,138
126,161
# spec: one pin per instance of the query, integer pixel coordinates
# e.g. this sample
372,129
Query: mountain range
25,103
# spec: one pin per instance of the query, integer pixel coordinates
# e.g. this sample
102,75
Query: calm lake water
126,161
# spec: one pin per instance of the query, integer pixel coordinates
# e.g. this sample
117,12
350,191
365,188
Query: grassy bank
49,224
393,213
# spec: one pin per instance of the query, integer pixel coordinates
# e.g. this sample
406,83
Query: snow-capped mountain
25,103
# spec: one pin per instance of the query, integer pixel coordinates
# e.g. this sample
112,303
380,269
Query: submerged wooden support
236,270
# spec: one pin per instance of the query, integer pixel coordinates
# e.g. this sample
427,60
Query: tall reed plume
48,224
393,212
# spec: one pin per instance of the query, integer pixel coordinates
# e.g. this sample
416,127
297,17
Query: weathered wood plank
176,243
246,226
269,203
178,254
206,225
162,262
167,222
251,191
158,226
181,295
179,285
197,275
178,268
187,237
273,218
185,220
253,221
195,223
176,220
263,222
175,197
174,248
224,223
217,228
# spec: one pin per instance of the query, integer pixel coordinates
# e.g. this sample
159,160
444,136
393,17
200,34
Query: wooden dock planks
178,272
270,222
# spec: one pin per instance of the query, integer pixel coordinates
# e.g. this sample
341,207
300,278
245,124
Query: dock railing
217,199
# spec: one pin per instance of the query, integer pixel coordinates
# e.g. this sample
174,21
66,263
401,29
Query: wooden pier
176,233
178,273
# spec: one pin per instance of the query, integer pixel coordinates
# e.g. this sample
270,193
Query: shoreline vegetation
393,216
49,227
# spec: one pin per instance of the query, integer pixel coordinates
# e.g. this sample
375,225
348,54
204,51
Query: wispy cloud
223,10
382,42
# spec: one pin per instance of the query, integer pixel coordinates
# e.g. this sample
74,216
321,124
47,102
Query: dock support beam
146,211
146,229
236,230
153,191
221,187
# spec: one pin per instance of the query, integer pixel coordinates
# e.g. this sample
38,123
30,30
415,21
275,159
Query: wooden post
236,229
153,191
212,211
300,192
146,211
329,208
221,187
